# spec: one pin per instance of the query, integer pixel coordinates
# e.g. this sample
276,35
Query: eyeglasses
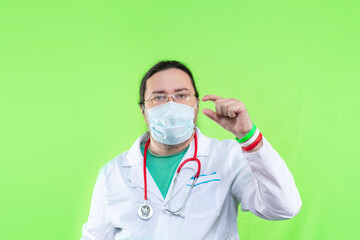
179,97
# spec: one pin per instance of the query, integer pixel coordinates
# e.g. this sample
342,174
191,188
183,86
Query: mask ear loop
143,108
197,103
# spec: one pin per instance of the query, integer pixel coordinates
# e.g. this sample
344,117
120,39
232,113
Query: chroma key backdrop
69,82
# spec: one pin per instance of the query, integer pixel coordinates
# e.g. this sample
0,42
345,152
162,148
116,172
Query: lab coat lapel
152,187
134,160
190,168
186,172
136,177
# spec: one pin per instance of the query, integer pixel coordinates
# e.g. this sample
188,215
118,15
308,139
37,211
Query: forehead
168,81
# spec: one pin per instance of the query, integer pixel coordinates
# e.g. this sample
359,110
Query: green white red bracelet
248,135
251,139
254,144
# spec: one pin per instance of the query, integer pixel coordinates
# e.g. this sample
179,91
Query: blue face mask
171,123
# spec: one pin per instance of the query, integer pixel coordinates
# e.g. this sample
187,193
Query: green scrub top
162,168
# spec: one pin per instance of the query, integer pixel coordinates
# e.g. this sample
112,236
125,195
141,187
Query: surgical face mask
171,123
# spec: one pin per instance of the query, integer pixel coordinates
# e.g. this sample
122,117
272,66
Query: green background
70,74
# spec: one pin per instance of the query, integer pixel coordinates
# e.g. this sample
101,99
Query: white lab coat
260,181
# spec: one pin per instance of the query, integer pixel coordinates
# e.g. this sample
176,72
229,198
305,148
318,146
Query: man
176,183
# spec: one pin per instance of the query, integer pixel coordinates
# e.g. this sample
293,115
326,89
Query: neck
163,149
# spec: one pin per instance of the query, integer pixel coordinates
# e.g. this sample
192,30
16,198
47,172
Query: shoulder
114,163
113,175
126,158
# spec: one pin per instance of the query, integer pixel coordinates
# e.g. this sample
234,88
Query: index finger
211,98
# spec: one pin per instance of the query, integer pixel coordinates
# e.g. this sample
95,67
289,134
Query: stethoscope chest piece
145,211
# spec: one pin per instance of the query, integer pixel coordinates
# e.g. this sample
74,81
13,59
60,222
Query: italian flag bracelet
251,140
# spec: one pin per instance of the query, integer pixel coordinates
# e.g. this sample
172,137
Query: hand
231,114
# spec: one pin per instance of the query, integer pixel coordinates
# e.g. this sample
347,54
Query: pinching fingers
227,107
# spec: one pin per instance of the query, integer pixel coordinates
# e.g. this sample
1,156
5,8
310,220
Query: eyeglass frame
168,96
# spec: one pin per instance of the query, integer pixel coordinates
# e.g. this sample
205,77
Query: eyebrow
176,90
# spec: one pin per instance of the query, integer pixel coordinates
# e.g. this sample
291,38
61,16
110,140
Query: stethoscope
145,211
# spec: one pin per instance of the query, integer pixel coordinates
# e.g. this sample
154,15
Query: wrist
251,141
242,137
258,146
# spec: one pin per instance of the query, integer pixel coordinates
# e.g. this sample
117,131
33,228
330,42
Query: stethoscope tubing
194,158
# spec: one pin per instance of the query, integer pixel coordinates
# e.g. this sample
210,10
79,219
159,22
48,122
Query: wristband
254,144
247,136
252,139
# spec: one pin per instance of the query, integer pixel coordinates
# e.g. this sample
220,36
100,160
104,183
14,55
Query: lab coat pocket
124,215
123,212
204,198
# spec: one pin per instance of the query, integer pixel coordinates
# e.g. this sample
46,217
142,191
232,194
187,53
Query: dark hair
160,66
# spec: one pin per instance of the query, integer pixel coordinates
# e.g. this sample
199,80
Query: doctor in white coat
202,203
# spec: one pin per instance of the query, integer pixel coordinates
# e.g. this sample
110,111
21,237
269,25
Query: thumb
211,114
